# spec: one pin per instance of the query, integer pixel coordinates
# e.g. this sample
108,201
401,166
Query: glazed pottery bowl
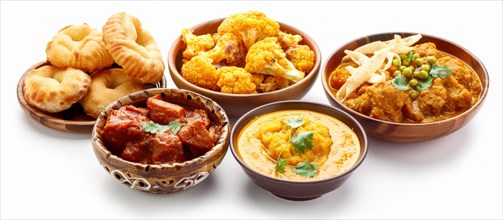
298,189
408,132
163,178
73,119
238,104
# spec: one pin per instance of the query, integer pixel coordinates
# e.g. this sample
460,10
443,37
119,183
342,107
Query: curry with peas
398,82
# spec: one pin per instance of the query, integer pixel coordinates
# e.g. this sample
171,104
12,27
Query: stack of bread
80,66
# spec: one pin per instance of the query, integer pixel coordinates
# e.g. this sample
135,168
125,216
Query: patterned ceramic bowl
163,178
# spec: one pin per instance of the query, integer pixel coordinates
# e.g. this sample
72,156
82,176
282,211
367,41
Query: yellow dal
344,152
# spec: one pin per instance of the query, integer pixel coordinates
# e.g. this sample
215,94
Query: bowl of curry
406,87
161,140
298,150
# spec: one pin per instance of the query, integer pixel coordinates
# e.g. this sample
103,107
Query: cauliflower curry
255,47
298,145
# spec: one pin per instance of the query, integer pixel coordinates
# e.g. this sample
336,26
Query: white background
51,174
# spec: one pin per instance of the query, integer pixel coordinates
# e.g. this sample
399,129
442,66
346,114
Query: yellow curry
298,145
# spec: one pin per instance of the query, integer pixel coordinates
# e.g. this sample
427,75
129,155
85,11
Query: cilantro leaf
400,82
306,169
303,141
280,164
153,127
294,122
410,56
424,83
440,71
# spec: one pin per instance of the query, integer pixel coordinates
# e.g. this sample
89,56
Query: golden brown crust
107,86
80,47
133,48
54,89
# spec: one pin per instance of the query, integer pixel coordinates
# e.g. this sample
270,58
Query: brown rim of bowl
367,39
220,143
54,122
301,182
311,74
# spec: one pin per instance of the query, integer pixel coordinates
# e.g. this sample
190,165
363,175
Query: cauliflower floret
201,72
235,80
195,44
302,57
229,50
288,40
267,57
251,26
273,83
258,78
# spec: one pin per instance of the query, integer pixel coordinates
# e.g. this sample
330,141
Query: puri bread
80,47
133,48
107,86
54,89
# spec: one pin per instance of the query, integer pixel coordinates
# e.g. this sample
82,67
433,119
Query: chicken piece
195,44
201,72
432,100
461,73
458,97
302,57
427,49
122,126
267,57
411,111
229,51
138,152
387,102
235,80
250,26
163,112
166,147
198,114
196,137
288,40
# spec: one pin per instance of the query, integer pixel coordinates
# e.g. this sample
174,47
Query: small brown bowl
163,178
408,132
294,189
73,119
238,104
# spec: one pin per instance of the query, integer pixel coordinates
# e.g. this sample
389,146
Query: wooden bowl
238,104
163,178
409,132
73,119
295,189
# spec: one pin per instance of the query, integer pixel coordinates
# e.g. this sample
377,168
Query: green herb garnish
440,71
280,164
306,169
424,83
400,82
294,122
153,127
303,141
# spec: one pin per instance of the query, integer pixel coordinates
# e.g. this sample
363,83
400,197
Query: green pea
431,59
407,72
416,56
423,74
425,67
405,62
413,82
396,62
403,56
396,73
419,61
416,74
401,68
413,94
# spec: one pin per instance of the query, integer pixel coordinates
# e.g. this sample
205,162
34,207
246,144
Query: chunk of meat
198,114
196,137
123,125
411,110
163,112
427,49
462,73
458,97
138,152
166,147
432,100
